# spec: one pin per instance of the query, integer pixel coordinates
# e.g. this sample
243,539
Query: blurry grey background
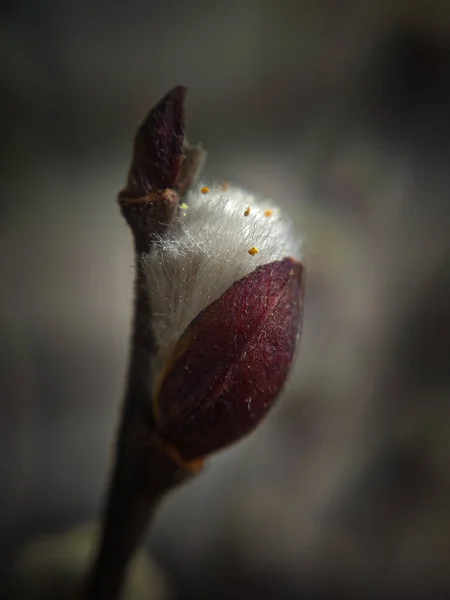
340,112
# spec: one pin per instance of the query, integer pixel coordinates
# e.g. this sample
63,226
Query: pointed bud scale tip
158,146
232,361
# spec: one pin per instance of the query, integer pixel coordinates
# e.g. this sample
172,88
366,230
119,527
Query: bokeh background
340,112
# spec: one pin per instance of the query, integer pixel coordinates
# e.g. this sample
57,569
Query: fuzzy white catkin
205,251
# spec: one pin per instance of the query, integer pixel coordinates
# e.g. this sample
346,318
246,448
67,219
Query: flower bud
226,299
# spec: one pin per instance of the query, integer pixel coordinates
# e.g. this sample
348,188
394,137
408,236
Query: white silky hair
205,250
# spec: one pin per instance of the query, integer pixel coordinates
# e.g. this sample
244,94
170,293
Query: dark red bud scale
231,362
158,146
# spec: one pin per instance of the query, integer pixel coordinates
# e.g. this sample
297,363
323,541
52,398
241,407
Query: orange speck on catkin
204,190
247,211
253,250
268,213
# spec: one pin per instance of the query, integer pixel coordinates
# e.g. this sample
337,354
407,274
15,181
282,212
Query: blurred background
340,112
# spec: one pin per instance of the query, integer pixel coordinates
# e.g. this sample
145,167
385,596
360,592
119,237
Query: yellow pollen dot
184,206
247,211
253,250
204,190
268,213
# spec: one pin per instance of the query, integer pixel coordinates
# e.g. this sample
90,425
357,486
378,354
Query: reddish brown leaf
232,361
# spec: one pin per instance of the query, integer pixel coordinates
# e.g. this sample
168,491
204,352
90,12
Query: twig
163,168
215,387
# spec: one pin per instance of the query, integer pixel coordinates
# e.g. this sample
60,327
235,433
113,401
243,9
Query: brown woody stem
162,170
